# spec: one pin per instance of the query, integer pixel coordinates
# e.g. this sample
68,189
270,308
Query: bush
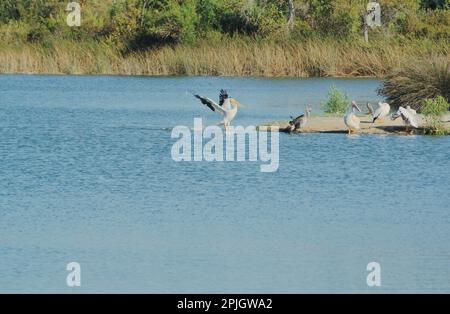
266,21
146,23
8,11
337,102
208,12
416,82
433,110
435,4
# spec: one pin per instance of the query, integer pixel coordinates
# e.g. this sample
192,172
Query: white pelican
382,112
350,118
411,110
301,121
409,118
228,107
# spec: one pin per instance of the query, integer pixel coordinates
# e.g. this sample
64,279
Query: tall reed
324,58
418,81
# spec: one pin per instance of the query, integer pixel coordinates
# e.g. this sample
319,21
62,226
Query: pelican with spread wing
301,121
409,117
382,112
227,107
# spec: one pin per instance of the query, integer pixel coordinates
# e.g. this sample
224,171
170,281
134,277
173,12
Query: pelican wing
382,111
297,120
211,104
409,117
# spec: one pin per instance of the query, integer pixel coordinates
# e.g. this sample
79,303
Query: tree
8,11
291,20
435,4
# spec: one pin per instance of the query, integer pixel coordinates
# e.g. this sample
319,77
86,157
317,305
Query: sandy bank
321,124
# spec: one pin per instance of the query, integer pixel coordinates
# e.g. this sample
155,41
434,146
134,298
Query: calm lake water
86,175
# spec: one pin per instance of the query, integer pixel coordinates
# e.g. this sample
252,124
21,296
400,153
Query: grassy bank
323,58
296,38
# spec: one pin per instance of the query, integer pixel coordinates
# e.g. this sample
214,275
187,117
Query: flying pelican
350,118
228,107
409,118
381,112
301,121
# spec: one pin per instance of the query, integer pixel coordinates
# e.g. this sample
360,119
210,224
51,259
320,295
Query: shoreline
25,73
187,75
336,125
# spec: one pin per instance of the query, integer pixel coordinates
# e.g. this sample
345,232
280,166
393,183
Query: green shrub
147,23
337,102
8,11
208,13
433,110
266,21
435,4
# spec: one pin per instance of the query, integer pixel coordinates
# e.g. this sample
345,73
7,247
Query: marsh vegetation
418,81
218,37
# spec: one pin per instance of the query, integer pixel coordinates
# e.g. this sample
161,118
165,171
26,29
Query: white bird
228,107
382,112
350,118
409,118
411,110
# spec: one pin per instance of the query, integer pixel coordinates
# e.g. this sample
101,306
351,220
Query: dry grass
236,58
418,81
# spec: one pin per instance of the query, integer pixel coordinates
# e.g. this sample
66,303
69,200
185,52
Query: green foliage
416,82
435,4
141,24
337,102
209,15
328,17
435,107
264,21
433,110
8,11
145,23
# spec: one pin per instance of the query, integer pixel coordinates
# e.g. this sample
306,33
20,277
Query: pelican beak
356,106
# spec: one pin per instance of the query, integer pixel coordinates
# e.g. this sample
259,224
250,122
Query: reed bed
418,81
314,58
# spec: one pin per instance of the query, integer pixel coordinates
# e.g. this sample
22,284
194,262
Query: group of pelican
228,108
352,121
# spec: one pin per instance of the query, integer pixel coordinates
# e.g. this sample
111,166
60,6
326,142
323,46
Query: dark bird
300,122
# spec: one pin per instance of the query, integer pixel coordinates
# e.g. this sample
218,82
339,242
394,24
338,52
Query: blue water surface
86,175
